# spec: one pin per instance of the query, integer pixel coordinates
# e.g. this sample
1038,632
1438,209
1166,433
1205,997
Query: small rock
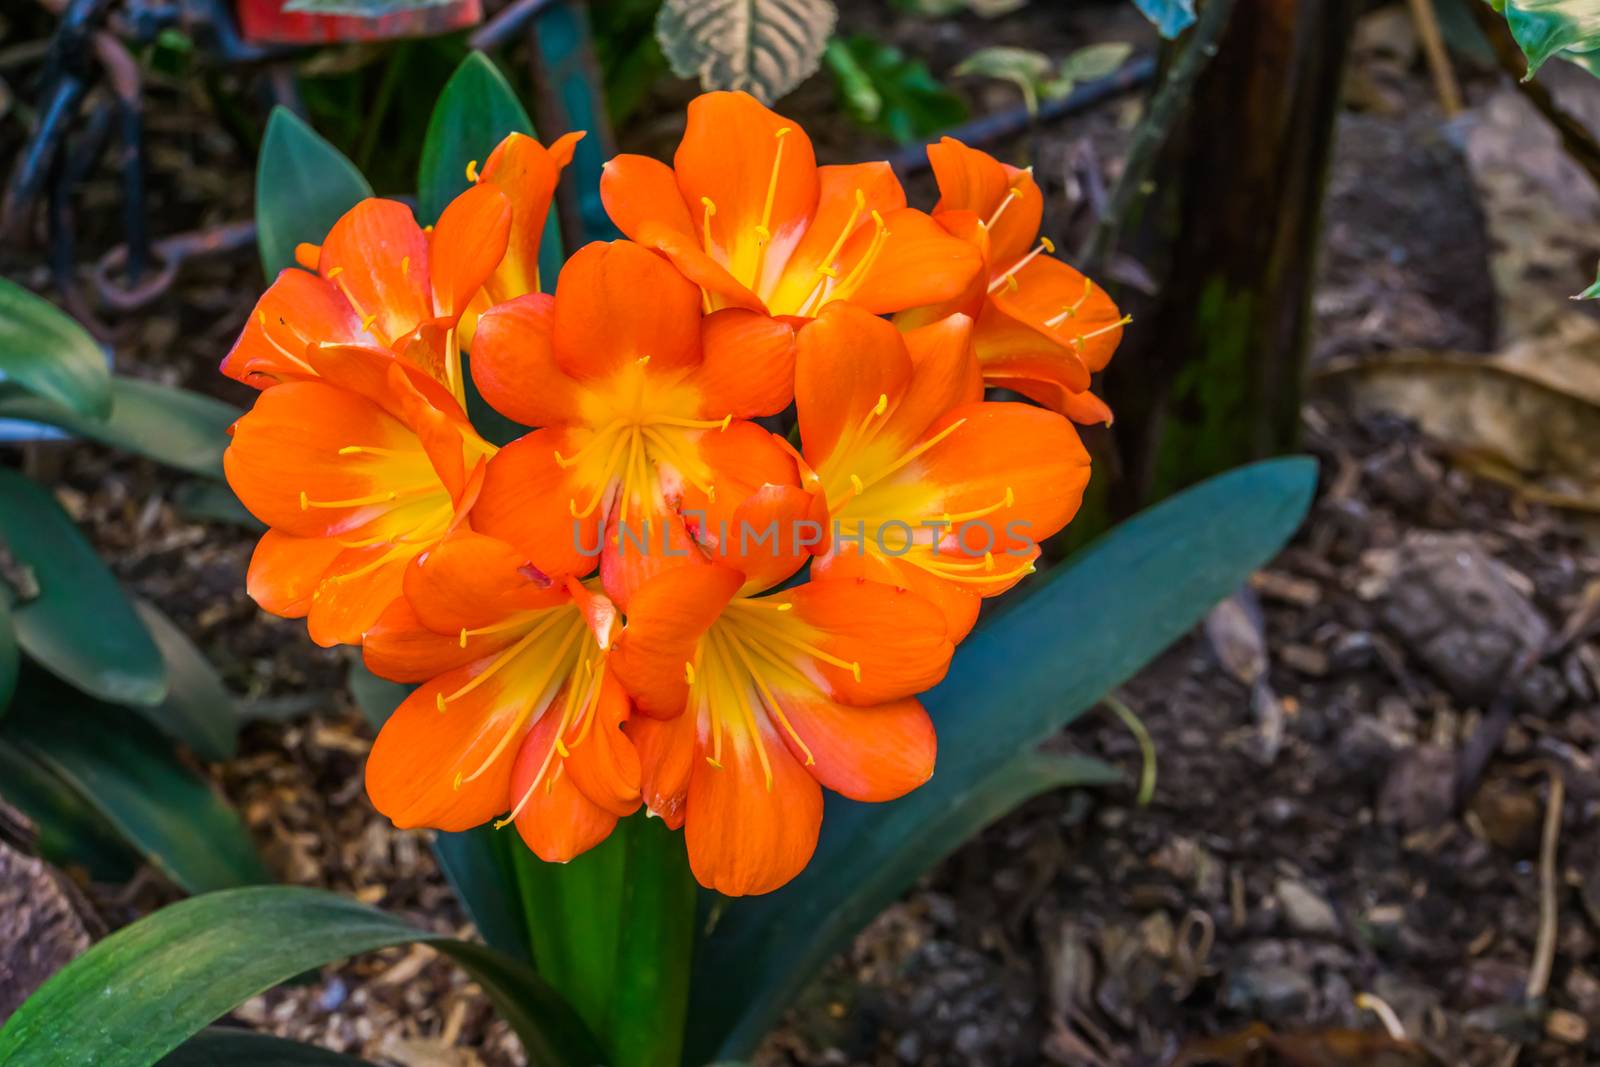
1566,1027
1419,791
1305,659
1491,981
1305,911
1584,989
1510,815
1272,992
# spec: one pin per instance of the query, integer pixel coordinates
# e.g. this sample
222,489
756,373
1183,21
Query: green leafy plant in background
610,958
1569,29
886,91
97,688
764,47
1038,76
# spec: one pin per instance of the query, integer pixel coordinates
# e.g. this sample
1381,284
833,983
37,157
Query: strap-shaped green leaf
68,830
199,710
1034,666
220,1047
47,353
475,112
177,427
130,775
80,626
10,654
303,185
141,992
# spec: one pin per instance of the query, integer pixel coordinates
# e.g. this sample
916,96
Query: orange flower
356,468
382,283
747,215
526,172
768,699
517,710
642,404
928,486
1042,328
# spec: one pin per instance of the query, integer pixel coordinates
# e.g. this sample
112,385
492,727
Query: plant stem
1169,102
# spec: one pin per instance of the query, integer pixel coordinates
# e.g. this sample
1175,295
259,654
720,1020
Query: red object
266,22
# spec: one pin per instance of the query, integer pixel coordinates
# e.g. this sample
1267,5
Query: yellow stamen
472,171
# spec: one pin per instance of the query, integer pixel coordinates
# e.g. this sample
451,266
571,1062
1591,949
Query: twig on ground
1380,1007
1544,951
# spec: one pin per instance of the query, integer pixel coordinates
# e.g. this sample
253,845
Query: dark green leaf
199,710
129,772
141,992
477,862
10,654
1171,17
209,501
1566,28
475,112
219,1047
49,354
80,626
69,831
905,101
177,427
303,185
1031,668
614,930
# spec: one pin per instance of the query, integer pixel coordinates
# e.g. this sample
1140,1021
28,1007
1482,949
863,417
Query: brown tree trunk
1211,372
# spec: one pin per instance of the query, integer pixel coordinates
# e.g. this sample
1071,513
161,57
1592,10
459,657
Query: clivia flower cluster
570,669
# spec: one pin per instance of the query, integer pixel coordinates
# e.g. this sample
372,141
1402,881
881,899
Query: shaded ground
1303,843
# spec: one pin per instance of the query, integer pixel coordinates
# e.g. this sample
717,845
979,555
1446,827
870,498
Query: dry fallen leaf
1260,1047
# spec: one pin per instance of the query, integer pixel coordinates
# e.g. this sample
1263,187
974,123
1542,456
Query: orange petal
667,753
603,763
683,251
617,304
527,501
378,257
286,450
847,197
873,754
742,460
527,173
514,364
297,310
468,581
744,834
1032,455
944,374
285,571
919,263
653,538
468,242
356,590
665,621
557,820
424,767
848,363
896,636
970,180
958,603
398,647
771,536
748,369
638,192
1085,409
1083,315
755,166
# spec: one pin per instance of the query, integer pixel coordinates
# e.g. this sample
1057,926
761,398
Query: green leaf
1171,17
10,654
762,47
47,353
1027,69
182,429
199,710
128,772
614,930
69,831
139,993
1566,28
219,1047
475,112
477,862
905,101
303,185
1095,61
1591,293
1035,665
80,627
